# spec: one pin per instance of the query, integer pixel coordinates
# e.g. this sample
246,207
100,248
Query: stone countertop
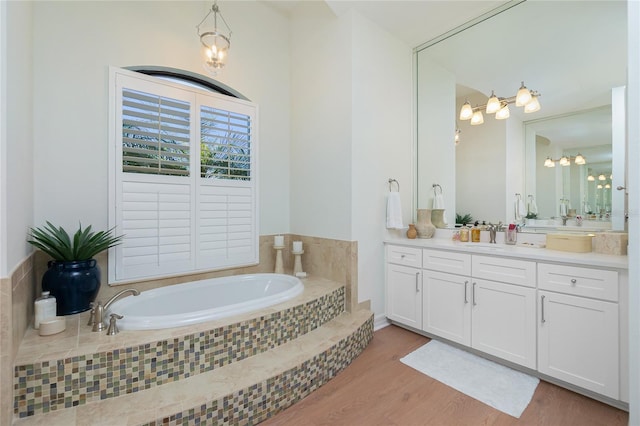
525,250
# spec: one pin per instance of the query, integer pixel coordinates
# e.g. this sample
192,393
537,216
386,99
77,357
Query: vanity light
533,105
602,177
599,186
500,106
608,186
477,118
579,160
215,44
591,178
466,112
503,113
564,161
524,96
611,176
493,105
549,162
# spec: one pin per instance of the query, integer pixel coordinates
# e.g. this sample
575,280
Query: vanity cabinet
495,317
404,285
578,330
566,321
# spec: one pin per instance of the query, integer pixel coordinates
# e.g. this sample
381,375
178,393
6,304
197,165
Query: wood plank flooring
377,389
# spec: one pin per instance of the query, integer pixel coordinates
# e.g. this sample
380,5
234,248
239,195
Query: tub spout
98,310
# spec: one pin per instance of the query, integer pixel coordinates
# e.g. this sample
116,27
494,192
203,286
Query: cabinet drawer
408,256
588,282
512,271
446,261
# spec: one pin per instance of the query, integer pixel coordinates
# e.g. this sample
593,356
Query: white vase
424,226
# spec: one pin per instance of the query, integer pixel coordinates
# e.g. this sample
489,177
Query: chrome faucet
97,311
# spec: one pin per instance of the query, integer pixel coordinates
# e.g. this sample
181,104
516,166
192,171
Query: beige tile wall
336,260
17,294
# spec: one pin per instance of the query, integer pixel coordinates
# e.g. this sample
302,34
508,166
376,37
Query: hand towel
438,203
563,209
394,211
533,207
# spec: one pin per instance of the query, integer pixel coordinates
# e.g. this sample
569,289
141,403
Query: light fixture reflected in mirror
466,112
493,105
580,160
456,138
599,186
549,162
608,186
566,161
591,178
523,96
477,118
602,177
500,106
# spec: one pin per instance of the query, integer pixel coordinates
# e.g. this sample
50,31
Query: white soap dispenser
45,307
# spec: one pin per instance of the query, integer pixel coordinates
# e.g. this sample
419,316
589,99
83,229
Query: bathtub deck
240,369
165,401
78,339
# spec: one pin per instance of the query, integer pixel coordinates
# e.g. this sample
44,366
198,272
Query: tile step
245,377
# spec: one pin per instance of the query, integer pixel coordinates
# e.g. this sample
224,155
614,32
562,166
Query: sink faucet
97,311
564,220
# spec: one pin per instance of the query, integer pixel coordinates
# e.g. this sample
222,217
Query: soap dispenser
475,233
464,234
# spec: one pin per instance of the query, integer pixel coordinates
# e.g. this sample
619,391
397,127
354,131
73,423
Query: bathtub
199,301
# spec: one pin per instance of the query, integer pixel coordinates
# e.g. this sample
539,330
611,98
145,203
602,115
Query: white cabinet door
578,341
446,306
404,295
504,321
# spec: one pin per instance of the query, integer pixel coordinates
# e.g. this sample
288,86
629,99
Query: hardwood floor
377,389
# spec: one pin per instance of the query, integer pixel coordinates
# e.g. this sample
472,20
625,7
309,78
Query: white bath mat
502,388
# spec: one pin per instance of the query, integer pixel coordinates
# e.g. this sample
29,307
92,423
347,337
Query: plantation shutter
183,179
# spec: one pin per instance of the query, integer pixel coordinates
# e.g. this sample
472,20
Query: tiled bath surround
49,385
333,259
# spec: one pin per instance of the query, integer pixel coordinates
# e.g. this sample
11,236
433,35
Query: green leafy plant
467,218
85,244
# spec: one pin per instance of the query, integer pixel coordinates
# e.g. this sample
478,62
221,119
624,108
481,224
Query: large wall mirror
571,53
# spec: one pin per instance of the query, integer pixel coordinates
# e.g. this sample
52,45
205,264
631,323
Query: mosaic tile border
53,385
258,402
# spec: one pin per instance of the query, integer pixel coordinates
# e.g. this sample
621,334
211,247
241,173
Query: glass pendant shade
591,178
493,105
477,118
580,160
607,186
503,113
602,177
533,105
215,44
611,176
549,162
524,96
599,186
564,161
466,112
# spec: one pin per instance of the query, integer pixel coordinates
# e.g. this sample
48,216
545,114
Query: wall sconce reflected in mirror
500,106
566,161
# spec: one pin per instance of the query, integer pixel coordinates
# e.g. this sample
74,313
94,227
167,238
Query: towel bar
391,181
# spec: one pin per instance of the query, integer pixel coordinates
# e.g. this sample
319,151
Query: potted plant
73,276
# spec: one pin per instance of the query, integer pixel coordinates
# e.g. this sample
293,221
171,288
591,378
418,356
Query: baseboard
380,321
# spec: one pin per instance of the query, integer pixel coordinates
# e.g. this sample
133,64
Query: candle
279,241
297,246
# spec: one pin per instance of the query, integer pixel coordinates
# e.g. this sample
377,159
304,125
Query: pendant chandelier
500,106
215,44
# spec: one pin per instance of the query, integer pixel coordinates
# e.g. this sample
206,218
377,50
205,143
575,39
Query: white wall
16,136
77,41
381,146
514,148
321,121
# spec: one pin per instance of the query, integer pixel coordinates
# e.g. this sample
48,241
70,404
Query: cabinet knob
573,281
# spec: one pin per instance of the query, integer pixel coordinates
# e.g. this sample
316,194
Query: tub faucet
97,312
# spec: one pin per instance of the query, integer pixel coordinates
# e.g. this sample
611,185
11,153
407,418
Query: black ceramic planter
74,284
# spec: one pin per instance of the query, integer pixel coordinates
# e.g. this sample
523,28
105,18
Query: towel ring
391,181
435,185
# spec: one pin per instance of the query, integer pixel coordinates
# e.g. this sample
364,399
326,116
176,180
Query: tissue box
611,243
577,243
